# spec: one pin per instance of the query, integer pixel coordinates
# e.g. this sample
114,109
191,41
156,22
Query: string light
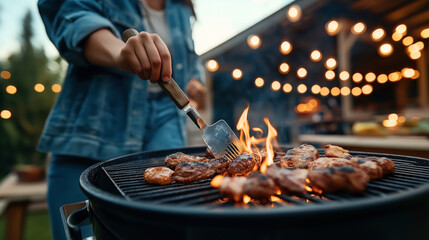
259,82
332,27
370,77
285,47
382,78
276,85
335,91
329,75
416,74
358,28
237,74
396,36
324,91
357,77
287,88
378,34
301,73
5,75
407,41
356,91
56,88
302,88
331,63
345,91
284,68
254,41
11,89
407,72
401,29
294,13
367,89
395,76
316,56
5,114
39,87
385,49
415,55
344,75
425,33
212,65
393,117
315,89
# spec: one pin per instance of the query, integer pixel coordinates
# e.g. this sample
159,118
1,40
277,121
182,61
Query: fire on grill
261,174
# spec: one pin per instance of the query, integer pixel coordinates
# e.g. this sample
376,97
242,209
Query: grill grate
409,174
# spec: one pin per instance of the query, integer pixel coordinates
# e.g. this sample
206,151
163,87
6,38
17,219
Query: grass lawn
36,226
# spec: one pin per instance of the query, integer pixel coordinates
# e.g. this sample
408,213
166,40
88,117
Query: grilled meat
244,164
233,187
174,159
375,167
326,162
158,175
259,186
299,156
336,151
289,181
186,172
339,179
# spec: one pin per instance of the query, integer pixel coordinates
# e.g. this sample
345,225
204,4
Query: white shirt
155,21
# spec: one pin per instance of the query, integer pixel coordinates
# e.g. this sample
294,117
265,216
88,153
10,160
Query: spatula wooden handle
171,88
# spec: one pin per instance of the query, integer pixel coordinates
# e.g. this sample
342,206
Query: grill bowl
401,214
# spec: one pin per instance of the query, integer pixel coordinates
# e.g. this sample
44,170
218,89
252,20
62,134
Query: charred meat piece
327,162
186,172
258,186
158,175
336,151
290,181
244,164
299,156
233,187
375,167
339,179
174,159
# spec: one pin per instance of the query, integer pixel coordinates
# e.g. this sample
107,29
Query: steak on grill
299,156
187,172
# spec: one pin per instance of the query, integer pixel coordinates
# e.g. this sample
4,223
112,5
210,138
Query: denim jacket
98,114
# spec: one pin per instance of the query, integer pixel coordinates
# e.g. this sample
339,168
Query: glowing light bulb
345,91
382,78
275,86
401,29
254,41
5,114
385,49
332,27
294,13
358,28
285,47
11,89
335,91
237,74
370,77
329,75
331,63
324,91
259,82
302,88
367,89
316,56
39,87
378,34
315,89
357,77
301,73
212,65
425,33
356,91
407,41
284,68
344,75
287,88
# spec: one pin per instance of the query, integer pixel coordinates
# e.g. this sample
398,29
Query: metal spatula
219,138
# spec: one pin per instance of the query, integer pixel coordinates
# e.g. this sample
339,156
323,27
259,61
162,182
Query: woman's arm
145,54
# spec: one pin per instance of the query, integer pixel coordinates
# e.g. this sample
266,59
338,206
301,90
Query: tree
29,108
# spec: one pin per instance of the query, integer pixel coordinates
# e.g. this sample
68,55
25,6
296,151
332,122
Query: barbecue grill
123,206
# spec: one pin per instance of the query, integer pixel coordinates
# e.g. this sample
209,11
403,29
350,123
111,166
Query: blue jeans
162,132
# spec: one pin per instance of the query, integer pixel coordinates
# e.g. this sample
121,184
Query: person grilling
107,108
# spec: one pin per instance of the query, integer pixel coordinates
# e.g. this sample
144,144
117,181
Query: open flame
250,142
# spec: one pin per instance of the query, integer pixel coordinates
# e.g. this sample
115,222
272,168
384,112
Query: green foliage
20,133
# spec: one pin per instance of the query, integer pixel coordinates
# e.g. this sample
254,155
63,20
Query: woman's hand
147,56
196,92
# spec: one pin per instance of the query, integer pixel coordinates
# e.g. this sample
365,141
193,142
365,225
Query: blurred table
402,145
17,197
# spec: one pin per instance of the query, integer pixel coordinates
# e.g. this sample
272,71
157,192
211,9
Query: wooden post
15,220
345,42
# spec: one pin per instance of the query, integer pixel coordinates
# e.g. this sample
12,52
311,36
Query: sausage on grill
339,179
299,156
158,175
174,159
186,172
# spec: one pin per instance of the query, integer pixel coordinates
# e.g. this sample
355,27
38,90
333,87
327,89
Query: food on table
186,172
339,179
290,181
158,175
299,156
244,164
336,151
174,159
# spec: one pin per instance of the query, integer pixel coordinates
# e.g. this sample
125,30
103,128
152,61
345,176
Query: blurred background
350,73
